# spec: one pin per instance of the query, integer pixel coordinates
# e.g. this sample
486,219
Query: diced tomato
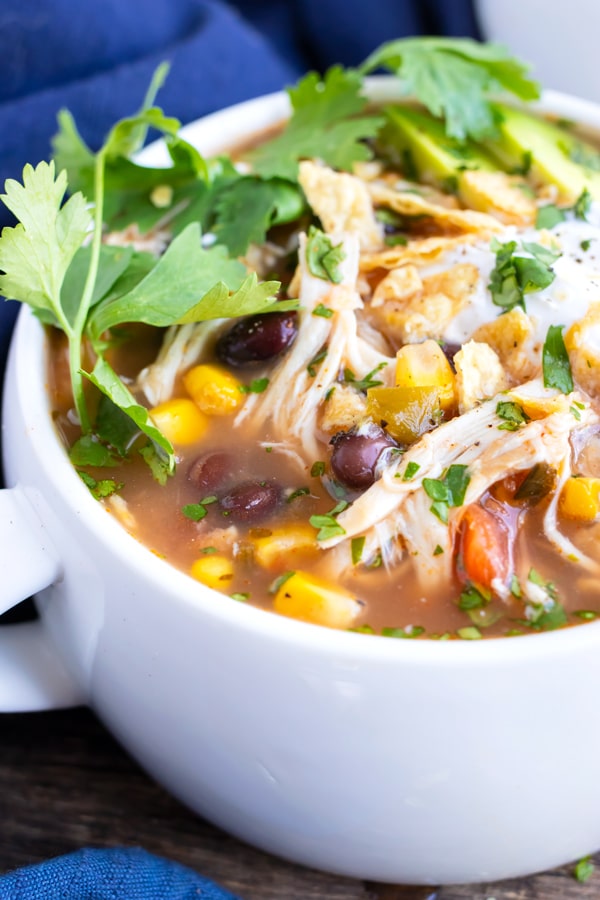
483,553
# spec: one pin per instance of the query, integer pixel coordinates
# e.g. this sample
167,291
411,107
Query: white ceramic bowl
402,761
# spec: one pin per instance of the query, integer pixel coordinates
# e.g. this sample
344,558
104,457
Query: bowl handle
32,676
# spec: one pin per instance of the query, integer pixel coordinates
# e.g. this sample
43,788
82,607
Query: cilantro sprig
447,491
454,77
515,275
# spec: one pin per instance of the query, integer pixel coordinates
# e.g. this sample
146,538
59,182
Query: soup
412,448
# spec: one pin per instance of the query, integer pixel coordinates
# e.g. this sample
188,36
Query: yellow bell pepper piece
580,499
313,599
284,543
215,390
407,412
426,365
215,571
180,421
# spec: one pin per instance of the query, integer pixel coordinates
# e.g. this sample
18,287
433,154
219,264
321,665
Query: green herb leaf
88,451
256,386
452,78
327,524
363,384
322,257
513,414
317,469
549,216
555,361
582,205
410,471
197,511
247,207
299,492
99,489
584,869
448,491
411,631
324,311
326,123
357,546
513,275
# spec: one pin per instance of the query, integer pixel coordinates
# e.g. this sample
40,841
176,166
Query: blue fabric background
97,58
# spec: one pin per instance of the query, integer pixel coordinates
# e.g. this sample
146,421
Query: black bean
210,470
450,351
257,338
251,501
356,454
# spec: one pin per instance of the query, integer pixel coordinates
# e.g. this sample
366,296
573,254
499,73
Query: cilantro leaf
514,275
326,124
109,383
513,414
549,215
452,78
447,491
555,361
248,207
327,524
36,253
322,257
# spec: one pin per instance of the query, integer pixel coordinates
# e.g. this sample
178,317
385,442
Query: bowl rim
219,129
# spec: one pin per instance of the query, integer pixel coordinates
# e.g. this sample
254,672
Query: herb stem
76,338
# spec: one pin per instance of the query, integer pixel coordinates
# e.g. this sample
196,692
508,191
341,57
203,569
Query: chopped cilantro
327,524
256,386
582,205
357,546
438,550
197,511
317,469
280,581
208,550
324,311
364,384
513,414
395,240
586,614
555,361
549,215
322,257
100,489
299,492
311,367
88,451
515,587
447,491
473,597
411,631
242,597
514,275
410,471
585,245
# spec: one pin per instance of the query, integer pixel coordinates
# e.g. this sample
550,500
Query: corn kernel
283,544
580,499
215,390
425,365
215,571
180,421
313,599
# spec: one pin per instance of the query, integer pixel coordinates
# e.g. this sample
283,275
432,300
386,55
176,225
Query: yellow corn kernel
282,544
580,499
313,599
425,365
215,390
180,420
215,571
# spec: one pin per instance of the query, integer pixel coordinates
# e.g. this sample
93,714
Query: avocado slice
418,144
557,157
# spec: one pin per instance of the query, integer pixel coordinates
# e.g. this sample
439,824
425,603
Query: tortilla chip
582,341
420,252
411,204
344,409
498,194
511,336
342,203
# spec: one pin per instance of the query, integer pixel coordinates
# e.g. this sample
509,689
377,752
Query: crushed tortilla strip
411,204
420,252
537,401
344,409
479,375
341,201
499,195
582,342
511,336
427,311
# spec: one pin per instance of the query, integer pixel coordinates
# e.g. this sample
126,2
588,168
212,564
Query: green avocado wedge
557,156
417,143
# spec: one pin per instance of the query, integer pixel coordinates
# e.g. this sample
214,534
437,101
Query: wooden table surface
65,784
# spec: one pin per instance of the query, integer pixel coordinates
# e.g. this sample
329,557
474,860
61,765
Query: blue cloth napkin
97,59
115,874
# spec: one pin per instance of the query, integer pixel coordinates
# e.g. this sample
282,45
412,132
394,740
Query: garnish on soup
349,373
